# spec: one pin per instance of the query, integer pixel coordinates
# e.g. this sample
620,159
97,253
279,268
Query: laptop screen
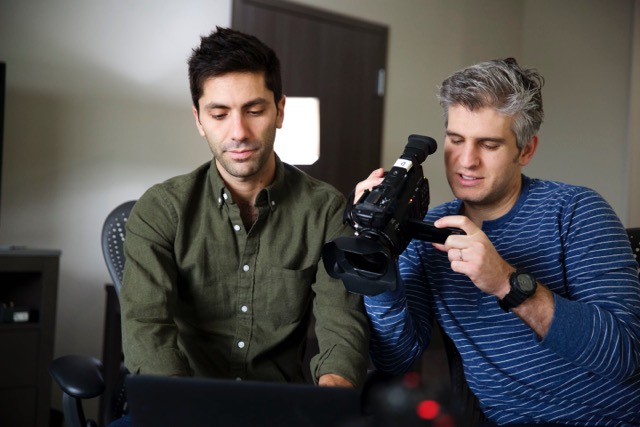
177,401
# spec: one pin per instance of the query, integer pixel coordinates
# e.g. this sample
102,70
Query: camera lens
370,266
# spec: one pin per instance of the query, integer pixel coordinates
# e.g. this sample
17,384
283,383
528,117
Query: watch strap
516,295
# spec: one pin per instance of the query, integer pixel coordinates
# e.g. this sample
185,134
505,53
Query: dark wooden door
339,60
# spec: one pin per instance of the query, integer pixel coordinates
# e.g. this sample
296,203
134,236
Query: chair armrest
78,376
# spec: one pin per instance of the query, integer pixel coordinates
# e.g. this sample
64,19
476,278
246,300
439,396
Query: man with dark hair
541,296
223,268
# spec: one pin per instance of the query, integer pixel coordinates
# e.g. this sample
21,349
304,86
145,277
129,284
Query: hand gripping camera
385,219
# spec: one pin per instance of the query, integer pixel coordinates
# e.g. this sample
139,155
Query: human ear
280,106
196,115
528,151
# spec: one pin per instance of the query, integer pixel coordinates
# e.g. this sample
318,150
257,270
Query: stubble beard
243,169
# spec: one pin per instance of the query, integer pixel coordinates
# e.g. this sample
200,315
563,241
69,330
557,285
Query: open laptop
157,401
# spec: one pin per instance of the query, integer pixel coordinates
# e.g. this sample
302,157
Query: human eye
490,145
255,112
218,114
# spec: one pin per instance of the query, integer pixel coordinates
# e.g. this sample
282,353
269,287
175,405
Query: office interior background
98,109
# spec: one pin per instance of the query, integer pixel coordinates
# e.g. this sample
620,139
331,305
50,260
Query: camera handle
425,230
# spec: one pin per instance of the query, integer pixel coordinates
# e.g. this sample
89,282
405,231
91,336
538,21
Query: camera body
385,219
383,212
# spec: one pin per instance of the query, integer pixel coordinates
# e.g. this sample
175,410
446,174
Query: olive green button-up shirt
203,296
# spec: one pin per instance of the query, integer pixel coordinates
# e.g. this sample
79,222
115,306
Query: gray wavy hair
502,85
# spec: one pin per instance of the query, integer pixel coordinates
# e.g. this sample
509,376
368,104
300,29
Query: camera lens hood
365,266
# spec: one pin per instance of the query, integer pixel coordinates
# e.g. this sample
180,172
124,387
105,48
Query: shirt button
219,200
244,308
225,196
236,227
241,344
245,267
273,203
238,379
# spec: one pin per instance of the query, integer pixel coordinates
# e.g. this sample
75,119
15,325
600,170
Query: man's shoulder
544,190
176,190
308,186
197,175
183,182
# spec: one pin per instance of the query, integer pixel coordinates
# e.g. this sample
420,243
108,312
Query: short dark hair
503,85
227,51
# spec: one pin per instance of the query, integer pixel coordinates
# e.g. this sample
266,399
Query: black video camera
385,220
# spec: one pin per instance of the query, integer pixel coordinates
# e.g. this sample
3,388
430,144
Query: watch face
525,282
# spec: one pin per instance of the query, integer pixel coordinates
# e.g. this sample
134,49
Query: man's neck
245,190
478,213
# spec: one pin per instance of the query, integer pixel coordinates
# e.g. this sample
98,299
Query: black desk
29,281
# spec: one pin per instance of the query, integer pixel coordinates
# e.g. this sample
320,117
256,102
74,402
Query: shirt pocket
288,294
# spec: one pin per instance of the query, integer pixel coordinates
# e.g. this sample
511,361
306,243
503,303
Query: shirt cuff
167,362
570,329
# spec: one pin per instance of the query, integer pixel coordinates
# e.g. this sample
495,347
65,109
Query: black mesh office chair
113,233
84,377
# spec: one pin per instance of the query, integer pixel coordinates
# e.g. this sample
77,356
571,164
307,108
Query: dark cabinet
28,295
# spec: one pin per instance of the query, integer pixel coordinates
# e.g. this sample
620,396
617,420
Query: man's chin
239,169
468,196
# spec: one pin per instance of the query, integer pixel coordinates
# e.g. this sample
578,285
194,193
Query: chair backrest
113,232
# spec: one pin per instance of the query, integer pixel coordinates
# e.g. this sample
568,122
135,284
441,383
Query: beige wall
98,108
584,53
633,139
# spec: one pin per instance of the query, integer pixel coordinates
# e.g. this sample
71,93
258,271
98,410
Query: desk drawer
18,407
18,355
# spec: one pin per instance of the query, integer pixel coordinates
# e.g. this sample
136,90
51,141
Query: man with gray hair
541,296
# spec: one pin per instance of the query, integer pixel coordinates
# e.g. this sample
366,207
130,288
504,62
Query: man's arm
149,333
475,256
401,327
597,324
341,324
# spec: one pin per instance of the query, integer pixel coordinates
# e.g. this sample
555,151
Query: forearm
343,339
148,332
341,323
586,334
537,310
605,343
144,356
395,342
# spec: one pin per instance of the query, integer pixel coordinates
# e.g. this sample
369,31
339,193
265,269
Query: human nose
239,130
468,156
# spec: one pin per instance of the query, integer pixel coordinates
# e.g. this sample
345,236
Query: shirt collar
269,196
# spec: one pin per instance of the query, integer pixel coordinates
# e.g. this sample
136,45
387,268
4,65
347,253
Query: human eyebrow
495,140
454,135
249,104
216,106
254,102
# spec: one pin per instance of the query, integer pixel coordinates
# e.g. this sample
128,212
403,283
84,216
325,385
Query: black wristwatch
523,285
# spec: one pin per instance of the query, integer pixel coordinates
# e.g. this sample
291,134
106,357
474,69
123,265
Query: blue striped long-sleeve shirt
586,370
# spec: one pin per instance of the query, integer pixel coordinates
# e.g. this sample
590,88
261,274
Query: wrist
522,286
505,287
